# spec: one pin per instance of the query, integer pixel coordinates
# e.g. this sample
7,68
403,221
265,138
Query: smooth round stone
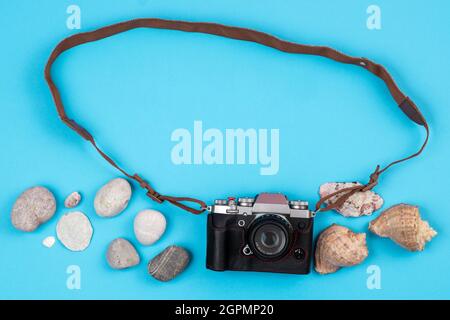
149,226
121,254
74,230
169,263
112,198
32,208
72,200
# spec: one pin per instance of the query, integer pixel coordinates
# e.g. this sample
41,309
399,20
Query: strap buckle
151,193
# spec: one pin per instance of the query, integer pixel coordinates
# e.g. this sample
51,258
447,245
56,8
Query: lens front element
270,239
270,236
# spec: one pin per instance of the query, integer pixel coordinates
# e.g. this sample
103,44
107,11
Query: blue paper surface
336,123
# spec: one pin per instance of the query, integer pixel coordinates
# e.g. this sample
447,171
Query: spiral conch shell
338,247
402,224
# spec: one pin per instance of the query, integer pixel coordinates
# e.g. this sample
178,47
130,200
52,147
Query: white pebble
149,226
112,198
74,230
48,242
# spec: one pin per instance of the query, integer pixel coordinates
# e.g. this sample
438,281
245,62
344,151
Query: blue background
336,123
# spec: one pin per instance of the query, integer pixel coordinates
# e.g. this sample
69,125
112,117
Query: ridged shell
402,224
362,203
337,247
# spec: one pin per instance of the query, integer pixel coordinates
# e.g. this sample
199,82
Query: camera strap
405,104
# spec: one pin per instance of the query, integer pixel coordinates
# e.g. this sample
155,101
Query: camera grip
216,257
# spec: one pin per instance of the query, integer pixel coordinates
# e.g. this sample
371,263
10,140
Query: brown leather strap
405,104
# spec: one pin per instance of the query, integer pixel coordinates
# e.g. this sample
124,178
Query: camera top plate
263,203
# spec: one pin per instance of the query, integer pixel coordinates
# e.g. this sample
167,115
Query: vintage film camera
268,233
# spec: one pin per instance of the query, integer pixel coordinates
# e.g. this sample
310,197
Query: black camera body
267,234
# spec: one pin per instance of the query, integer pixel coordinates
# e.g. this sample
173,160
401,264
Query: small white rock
149,226
74,230
72,200
112,198
48,242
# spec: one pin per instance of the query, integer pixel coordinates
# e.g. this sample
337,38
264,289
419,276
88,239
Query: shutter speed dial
246,202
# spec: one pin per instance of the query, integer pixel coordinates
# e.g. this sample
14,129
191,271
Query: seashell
112,198
121,254
74,230
32,208
359,204
169,263
402,224
337,247
149,226
72,200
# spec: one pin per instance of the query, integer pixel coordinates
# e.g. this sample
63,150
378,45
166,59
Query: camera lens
270,239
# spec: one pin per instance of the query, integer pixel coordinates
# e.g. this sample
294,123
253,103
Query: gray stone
74,230
32,208
169,263
121,254
112,198
72,200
